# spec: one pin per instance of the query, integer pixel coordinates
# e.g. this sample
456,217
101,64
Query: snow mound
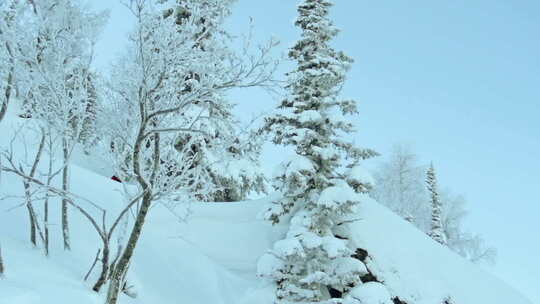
212,256
359,175
417,269
369,293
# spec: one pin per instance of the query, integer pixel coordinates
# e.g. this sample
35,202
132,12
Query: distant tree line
410,189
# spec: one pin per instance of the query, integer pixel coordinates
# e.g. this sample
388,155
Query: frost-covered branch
172,120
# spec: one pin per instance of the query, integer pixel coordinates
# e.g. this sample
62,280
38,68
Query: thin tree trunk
3,109
31,213
46,225
46,207
113,264
28,195
65,187
34,224
7,93
31,219
104,269
121,267
96,259
2,268
46,202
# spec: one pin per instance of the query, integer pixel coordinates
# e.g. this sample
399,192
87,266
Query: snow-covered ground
212,256
419,270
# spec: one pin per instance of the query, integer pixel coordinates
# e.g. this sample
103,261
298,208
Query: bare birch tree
234,171
9,15
150,89
400,186
467,244
43,189
57,80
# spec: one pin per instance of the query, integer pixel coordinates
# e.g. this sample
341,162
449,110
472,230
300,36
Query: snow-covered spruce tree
145,105
234,171
55,81
311,258
436,232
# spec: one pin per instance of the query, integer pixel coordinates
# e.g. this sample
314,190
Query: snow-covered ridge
212,256
419,270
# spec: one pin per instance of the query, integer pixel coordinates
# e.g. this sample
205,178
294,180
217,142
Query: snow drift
211,257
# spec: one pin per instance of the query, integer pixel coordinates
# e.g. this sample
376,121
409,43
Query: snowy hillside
212,256
419,270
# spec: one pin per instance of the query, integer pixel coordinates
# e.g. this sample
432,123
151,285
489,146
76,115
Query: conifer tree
311,120
436,232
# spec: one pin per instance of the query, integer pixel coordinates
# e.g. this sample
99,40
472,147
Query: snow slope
212,256
419,270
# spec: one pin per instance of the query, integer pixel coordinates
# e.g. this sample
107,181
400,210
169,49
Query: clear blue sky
460,80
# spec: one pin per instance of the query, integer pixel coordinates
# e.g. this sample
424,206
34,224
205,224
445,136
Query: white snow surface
369,293
360,175
335,196
419,270
212,256
293,163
